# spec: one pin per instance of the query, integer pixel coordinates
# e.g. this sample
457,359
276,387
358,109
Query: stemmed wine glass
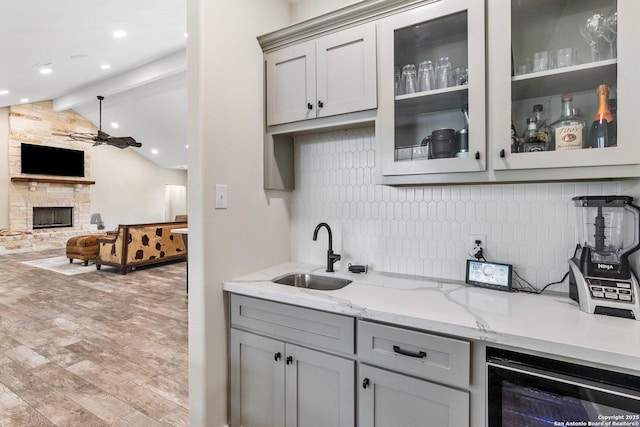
591,28
610,31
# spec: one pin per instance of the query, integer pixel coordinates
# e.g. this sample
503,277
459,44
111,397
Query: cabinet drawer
294,324
432,357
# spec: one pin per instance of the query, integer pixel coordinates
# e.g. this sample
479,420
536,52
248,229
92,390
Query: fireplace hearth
52,217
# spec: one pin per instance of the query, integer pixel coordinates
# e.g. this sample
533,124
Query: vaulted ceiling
141,73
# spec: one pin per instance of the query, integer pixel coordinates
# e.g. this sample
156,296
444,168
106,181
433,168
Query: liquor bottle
515,141
603,131
544,134
569,132
531,141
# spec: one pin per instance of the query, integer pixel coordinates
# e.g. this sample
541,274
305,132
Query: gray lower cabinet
292,366
282,371
280,384
257,380
389,399
424,381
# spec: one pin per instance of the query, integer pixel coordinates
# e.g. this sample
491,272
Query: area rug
60,264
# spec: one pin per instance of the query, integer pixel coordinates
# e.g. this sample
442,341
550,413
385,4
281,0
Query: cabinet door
291,84
320,389
453,29
257,381
519,83
388,399
346,71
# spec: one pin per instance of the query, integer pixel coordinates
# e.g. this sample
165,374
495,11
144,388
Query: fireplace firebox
52,217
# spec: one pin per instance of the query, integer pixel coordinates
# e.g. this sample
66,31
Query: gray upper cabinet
291,84
518,84
331,75
450,29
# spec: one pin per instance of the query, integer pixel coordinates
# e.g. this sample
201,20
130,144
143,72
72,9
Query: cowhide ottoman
84,248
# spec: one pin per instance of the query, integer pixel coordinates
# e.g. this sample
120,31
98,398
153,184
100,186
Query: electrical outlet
474,245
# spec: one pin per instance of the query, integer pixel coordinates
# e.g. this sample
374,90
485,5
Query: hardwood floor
93,349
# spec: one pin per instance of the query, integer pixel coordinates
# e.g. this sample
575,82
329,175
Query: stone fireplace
29,194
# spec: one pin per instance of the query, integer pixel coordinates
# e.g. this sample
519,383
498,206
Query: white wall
306,9
129,188
226,116
175,202
4,167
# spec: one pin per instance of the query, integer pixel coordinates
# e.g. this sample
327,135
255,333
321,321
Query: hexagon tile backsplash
426,230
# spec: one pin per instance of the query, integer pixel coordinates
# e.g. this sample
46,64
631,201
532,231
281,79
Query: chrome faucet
331,257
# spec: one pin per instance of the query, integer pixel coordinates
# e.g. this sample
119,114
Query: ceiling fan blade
84,137
123,142
102,136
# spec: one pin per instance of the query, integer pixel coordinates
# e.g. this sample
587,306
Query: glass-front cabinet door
566,73
431,114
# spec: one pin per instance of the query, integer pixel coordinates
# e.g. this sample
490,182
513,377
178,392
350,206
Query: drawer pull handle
289,360
365,383
309,106
277,356
320,104
420,354
502,153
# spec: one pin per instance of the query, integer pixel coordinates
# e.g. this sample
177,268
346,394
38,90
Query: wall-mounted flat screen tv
43,160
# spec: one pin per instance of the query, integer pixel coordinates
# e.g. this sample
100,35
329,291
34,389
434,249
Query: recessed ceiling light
4,92
186,35
46,70
105,66
119,34
115,125
154,151
23,100
186,146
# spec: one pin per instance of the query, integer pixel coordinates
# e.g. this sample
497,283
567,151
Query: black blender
601,279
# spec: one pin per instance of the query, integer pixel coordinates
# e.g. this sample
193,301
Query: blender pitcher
608,227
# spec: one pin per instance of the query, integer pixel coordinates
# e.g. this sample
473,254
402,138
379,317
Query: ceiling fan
102,138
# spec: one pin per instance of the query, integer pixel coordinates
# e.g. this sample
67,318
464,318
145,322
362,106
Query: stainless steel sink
312,281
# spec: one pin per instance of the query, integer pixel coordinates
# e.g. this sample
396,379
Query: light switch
221,196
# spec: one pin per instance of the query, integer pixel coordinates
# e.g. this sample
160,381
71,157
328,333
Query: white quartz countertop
549,324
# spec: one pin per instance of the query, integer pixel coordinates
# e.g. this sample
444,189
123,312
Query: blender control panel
612,290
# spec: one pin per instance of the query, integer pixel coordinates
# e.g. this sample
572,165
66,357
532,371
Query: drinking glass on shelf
540,61
460,76
566,57
426,76
443,73
396,81
409,79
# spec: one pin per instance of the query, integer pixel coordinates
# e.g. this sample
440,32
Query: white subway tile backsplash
425,230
